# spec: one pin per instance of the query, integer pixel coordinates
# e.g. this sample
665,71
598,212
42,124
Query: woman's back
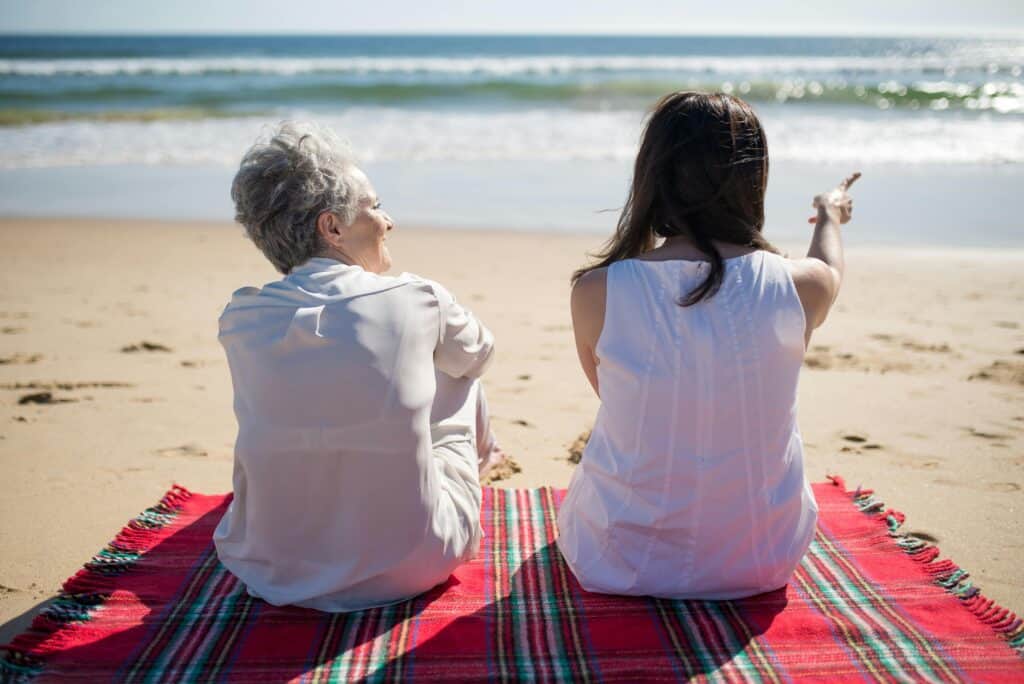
692,484
341,502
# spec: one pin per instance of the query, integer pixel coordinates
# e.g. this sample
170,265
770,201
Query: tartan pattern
865,605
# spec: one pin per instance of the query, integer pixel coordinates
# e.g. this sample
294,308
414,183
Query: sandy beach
114,386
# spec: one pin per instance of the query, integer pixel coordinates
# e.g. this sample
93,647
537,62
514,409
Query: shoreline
897,205
913,387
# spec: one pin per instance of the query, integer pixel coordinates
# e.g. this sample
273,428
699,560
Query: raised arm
818,276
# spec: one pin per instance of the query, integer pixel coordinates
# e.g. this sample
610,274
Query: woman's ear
330,229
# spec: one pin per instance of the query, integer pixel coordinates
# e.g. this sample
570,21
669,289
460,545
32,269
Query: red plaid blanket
866,604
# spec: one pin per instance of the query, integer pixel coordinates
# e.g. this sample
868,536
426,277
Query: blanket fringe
945,573
89,588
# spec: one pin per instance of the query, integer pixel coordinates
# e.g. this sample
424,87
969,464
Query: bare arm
587,303
819,275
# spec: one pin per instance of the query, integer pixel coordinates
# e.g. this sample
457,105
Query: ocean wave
1003,97
1007,61
424,135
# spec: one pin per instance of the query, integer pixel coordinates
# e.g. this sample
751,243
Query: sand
913,387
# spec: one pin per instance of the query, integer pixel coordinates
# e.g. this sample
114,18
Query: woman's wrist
825,217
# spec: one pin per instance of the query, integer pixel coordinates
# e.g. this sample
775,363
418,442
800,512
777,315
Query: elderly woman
362,427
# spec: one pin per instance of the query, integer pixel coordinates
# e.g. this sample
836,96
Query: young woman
692,484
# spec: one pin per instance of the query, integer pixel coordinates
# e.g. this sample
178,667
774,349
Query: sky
738,17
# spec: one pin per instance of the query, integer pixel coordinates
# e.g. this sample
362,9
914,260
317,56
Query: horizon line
932,32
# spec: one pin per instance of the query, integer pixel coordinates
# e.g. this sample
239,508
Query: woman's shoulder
591,284
425,284
588,295
593,276
439,295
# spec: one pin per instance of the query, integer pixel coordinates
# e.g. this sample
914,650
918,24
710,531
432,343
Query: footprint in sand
823,358
145,346
860,441
1004,372
20,359
913,345
190,450
858,450
36,385
44,398
973,432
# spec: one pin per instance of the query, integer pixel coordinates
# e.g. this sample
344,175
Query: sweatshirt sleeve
464,345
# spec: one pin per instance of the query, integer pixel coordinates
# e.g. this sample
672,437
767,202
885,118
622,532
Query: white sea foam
1006,59
392,134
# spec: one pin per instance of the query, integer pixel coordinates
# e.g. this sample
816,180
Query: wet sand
113,385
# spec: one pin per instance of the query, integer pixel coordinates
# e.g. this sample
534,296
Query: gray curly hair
285,181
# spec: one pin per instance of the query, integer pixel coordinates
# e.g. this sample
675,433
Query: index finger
845,185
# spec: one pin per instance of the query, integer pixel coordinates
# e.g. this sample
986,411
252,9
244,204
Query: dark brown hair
701,172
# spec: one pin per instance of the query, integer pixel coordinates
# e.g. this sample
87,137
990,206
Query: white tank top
692,484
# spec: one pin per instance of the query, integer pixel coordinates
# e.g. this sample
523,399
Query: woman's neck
681,247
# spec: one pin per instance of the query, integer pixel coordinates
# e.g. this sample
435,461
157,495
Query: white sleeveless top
692,484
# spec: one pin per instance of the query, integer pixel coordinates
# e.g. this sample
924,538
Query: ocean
504,131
